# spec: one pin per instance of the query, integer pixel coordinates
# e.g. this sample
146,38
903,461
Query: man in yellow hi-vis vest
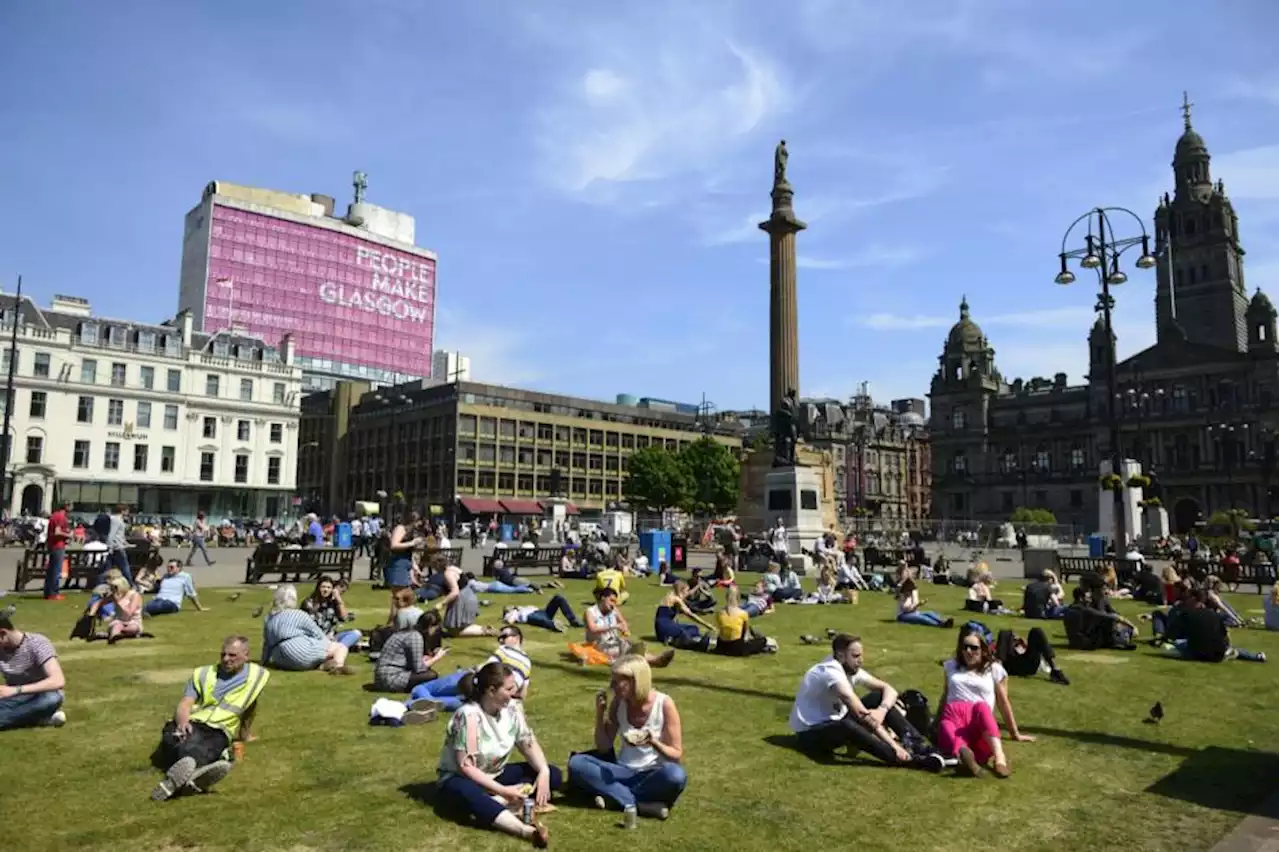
217,709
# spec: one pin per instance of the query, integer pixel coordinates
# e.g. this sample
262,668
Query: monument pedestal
792,493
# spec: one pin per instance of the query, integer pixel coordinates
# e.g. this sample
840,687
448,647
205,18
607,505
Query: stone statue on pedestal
780,162
785,430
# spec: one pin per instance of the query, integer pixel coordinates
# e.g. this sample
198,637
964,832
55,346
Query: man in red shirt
59,532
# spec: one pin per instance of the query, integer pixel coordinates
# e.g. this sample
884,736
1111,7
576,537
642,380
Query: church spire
1186,111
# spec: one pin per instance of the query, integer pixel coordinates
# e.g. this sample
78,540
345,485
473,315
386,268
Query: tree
1039,517
713,472
656,480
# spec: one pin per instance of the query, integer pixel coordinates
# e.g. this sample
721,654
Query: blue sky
590,174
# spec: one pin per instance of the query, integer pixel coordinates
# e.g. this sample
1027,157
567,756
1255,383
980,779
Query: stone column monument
792,491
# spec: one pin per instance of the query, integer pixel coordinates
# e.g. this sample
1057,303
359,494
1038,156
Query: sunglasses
969,647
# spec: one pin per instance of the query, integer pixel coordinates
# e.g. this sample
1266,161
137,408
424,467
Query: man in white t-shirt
828,713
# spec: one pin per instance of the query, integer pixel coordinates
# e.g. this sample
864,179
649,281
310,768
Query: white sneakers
57,720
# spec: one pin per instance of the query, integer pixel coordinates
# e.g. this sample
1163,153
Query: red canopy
522,507
570,509
480,505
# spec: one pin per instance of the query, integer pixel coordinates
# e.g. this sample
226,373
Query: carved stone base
794,494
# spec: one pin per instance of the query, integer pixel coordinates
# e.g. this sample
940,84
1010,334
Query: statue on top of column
780,162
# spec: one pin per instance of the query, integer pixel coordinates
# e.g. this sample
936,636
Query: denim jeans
466,795
347,638
924,619
546,617
53,573
120,559
20,711
1180,651
599,775
752,610
161,606
497,588
197,543
442,690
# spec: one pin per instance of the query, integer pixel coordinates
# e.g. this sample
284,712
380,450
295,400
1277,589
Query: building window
206,467
140,458
211,385
486,479
506,481
172,344
1179,398
118,374
1008,462
89,333
487,453
167,455
242,468
957,419
242,430
506,454
147,377
40,369
144,415
39,403
277,433
171,417
273,470
246,390
466,424
173,381
488,427
115,412
84,409
466,480
277,393
89,371
1042,459
507,429
146,341
562,434
1077,457
35,449
960,463
210,429
111,456
80,454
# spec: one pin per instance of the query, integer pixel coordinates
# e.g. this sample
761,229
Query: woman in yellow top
735,636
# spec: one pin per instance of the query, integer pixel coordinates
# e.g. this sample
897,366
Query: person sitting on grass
1271,609
825,593
1026,657
574,568
217,709
910,607
979,597
645,776
828,714
670,631
544,617
1215,602
612,578
758,602
461,606
723,576
974,684
126,623
1148,587
292,641
734,636
1042,599
31,694
1092,624
408,657
1111,583
783,583
1201,634
474,774
665,575
329,611
175,587
608,635
442,694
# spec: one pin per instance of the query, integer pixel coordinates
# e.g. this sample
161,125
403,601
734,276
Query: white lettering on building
398,287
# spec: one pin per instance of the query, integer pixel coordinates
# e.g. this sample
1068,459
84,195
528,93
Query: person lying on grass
1028,657
545,616
645,776
175,586
442,694
608,635
408,657
671,632
33,680
735,638
475,777
828,714
507,581
292,641
974,684
758,602
217,709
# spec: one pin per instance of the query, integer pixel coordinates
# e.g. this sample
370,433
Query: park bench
451,556
524,557
874,556
1249,573
81,569
293,565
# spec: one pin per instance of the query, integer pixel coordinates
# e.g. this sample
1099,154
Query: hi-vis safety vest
226,713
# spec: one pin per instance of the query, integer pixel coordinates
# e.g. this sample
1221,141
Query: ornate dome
1190,144
965,334
1260,303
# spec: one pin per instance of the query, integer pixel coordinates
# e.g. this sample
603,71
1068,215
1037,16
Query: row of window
85,406
144,340
81,459
489,480
526,430
526,456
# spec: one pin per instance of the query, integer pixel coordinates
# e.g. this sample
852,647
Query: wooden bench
452,556
1250,573
293,565
82,568
875,556
524,557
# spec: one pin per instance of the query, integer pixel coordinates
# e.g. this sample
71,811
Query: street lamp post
1102,251
1225,436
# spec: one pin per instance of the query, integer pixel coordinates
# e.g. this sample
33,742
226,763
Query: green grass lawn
320,778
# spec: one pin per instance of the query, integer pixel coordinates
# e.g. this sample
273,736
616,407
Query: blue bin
1097,545
656,545
507,531
342,536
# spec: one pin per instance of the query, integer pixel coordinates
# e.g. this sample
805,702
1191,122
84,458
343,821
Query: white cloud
498,356
1073,318
1262,88
601,85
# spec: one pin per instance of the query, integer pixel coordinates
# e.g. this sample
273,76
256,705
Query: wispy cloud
1260,88
1066,318
498,355
636,107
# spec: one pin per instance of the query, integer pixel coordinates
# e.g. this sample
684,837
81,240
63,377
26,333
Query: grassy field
320,778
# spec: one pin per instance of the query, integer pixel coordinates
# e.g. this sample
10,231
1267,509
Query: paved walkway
1253,834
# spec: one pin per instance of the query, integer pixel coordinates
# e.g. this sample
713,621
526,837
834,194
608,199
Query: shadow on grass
1219,778
427,793
596,672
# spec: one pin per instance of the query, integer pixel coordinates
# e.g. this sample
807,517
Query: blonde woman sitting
645,776
126,623
735,637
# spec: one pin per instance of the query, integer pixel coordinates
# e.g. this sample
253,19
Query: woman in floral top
473,763
329,611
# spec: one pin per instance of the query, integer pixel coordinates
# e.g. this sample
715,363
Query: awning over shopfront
480,505
522,507
570,509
